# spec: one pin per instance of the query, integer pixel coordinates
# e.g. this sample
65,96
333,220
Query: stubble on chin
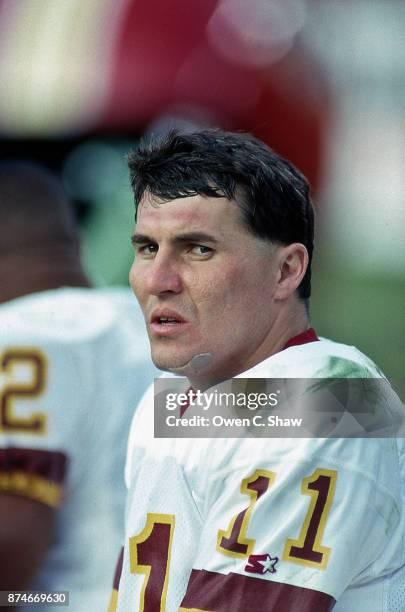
167,363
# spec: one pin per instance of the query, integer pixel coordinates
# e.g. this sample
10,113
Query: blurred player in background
74,362
222,270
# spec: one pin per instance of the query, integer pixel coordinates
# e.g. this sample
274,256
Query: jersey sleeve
295,533
48,390
43,392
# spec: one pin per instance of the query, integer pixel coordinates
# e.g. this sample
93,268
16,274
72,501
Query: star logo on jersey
261,564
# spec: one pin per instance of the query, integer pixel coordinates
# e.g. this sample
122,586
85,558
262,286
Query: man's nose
163,276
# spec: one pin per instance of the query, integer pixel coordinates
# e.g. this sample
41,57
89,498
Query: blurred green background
321,82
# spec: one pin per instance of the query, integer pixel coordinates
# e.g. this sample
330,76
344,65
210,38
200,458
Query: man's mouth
162,321
167,321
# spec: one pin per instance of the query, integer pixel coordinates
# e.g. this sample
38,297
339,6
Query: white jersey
281,524
73,366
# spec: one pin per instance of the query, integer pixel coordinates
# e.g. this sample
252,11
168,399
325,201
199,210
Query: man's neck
286,325
19,278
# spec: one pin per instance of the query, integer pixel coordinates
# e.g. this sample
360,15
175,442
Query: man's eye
147,249
200,249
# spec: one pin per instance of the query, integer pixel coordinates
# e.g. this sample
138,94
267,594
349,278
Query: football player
223,248
74,362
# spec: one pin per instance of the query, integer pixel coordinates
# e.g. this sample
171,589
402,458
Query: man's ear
293,263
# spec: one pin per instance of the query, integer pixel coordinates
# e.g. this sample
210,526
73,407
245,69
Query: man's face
204,283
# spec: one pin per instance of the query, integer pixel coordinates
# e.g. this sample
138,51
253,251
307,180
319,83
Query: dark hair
271,193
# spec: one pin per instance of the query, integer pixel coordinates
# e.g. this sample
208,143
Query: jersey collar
309,335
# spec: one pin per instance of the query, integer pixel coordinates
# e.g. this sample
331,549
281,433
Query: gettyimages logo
279,408
217,398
